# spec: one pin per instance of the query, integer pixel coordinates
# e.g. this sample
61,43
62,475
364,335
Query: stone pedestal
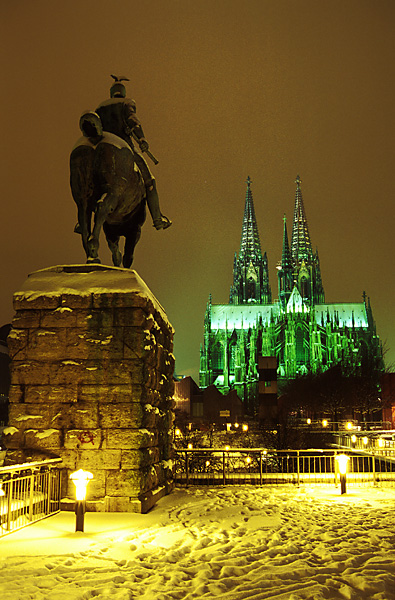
92,382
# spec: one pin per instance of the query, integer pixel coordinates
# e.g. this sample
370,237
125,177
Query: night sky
225,89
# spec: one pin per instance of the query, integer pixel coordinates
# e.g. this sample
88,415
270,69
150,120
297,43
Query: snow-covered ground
280,543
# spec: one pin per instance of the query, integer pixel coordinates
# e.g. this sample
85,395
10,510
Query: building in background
388,398
302,331
208,406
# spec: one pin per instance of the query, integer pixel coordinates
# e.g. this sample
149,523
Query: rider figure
118,116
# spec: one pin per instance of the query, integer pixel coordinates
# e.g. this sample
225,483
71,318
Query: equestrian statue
110,180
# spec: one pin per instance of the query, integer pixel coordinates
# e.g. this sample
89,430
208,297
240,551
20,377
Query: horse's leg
103,207
132,235
112,238
116,253
84,225
131,240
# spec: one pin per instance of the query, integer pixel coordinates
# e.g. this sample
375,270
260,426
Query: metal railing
260,466
28,492
367,442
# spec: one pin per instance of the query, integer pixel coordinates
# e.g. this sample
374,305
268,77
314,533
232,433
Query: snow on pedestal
92,382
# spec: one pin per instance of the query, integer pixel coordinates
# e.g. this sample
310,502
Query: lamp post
342,460
80,479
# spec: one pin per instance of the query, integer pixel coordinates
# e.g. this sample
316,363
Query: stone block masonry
92,382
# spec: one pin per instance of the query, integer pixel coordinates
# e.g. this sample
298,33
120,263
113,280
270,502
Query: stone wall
92,382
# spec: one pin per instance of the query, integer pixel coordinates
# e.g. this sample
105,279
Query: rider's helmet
118,90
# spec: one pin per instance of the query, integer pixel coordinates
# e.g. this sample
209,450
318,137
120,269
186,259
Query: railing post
31,496
374,468
9,507
223,468
260,468
186,468
297,458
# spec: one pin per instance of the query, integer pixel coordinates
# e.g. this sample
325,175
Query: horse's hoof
94,260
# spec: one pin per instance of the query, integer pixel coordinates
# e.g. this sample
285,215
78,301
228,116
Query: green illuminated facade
305,333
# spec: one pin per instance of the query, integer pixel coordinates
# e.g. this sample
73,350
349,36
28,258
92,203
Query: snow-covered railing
28,492
259,466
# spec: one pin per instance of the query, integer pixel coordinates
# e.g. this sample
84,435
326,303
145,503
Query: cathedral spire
285,270
301,244
250,268
286,258
250,244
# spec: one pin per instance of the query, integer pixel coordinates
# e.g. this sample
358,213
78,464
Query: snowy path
234,543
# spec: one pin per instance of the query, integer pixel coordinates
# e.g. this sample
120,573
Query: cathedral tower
306,264
250,268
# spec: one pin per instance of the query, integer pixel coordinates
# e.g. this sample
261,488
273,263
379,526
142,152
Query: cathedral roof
348,314
241,316
295,303
250,245
301,244
233,316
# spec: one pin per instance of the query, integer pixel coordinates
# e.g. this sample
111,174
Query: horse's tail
91,125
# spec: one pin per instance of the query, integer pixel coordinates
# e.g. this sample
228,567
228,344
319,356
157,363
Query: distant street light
80,479
245,427
325,423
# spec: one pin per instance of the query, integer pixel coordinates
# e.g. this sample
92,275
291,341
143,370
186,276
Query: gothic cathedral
305,333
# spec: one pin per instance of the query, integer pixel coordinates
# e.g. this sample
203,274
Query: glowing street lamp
308,421
365,440
342,461
80,479
349,425
245,427
353,439
325,423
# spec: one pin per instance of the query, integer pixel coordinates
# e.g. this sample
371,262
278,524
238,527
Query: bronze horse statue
109,191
